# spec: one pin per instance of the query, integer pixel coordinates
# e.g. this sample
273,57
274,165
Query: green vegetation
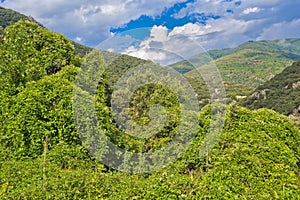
201,59
8,16
81,50
42,155
30,52
250,66
36,76
287,50
280,93
234,91
256,158
245,67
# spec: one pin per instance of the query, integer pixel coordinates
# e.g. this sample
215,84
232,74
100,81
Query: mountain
8,16
249,64
118,64
234,91
51,145
281,93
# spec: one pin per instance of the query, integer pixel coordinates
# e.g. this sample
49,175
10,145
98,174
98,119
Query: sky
150,28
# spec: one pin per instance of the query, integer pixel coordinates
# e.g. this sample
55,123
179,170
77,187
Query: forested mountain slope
42,155
252,63
281,93
8,16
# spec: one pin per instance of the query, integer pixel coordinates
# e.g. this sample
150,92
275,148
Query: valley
48,152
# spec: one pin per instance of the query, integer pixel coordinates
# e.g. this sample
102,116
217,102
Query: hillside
281,93
234,91
251,63
256,157
60,139
8,16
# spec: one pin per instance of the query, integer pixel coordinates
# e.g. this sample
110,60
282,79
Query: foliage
81,50
249,67
233,90
117,66
1,35
286,49
280,93
243,68
34,104
42,156
8,16
43,108
255,158
30,52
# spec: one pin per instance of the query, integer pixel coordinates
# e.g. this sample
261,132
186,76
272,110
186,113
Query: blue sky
166,18
212,23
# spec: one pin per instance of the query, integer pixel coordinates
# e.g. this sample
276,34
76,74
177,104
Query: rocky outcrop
296,85
260,94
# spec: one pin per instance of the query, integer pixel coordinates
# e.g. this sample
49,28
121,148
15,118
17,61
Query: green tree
43,109
30,52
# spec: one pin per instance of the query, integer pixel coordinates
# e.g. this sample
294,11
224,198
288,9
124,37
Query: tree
30,52
43,108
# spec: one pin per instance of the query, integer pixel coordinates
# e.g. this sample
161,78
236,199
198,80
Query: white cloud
92,19
152,47
251,10
78,39
148,54
192,29
228,31
112,9
281,30
159,34
217,33
166,47
260,3
163,47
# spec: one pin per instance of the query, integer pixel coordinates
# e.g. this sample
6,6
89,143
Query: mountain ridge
279,46
249,64
9,16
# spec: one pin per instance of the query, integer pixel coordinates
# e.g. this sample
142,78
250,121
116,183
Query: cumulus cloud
223,26
192,29
167,46
241,21
152,48
90,22
159,34
245,22
161,46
